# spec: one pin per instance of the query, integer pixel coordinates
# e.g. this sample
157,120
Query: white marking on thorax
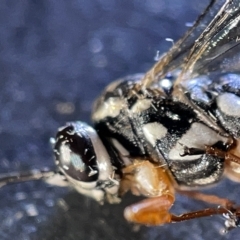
109,108
141,105
229,104
198,136
154,131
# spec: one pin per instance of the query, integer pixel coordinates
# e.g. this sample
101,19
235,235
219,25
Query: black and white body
169,129
175,128
154,125
172,128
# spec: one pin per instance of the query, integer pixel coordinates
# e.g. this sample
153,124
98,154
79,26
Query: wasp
172,130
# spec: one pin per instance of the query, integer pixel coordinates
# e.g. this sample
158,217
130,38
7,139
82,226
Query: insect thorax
152,124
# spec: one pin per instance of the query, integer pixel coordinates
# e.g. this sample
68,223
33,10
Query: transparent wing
212,44
218,48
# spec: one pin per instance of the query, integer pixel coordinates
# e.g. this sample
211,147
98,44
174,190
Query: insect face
83,159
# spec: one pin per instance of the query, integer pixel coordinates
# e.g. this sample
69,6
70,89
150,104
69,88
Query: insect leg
233,214
211,150
208,198
191,151
155,211
151,211
145,178
206,213
231,158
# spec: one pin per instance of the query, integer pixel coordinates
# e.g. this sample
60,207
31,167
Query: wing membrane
217,48
212,44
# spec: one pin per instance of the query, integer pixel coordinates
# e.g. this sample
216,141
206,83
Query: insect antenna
17,177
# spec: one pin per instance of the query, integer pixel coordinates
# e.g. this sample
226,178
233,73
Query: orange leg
150,180
155,211
150,211
145,178
208,198
231,157
232,160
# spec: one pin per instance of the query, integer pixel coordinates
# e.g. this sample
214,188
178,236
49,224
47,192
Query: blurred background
55,59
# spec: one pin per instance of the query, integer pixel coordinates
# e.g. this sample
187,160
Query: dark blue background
55,58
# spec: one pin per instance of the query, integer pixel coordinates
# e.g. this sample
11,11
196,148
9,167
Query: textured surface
55,58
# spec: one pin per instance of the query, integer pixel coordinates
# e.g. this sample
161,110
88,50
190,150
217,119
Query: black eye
74,153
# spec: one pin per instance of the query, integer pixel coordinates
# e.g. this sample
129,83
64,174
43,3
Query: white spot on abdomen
198,136
154,131
229,104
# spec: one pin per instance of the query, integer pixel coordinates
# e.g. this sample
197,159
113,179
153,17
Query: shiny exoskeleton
156,126
173,129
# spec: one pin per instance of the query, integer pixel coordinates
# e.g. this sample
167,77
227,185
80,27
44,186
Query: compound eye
74,153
